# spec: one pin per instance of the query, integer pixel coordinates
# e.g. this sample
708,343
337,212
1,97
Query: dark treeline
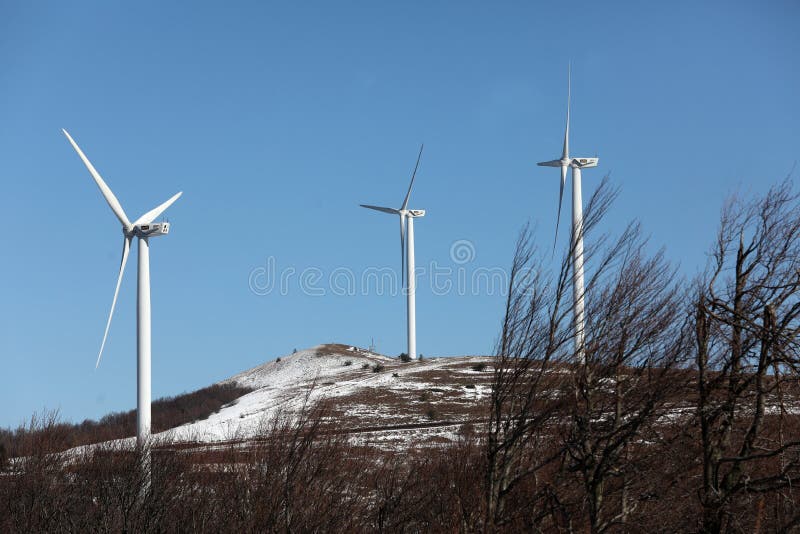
681,415
167,412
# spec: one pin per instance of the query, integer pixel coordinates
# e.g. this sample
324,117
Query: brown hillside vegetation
168,412
301,475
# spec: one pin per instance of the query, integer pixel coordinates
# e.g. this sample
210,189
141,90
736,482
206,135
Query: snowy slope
370,403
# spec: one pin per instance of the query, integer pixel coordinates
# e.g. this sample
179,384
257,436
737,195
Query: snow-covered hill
377,400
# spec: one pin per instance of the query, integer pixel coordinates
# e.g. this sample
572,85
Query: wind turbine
576,164
407,217
142,228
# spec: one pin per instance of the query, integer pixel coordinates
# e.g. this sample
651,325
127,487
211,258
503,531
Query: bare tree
561,430
636,340
747,319
533,340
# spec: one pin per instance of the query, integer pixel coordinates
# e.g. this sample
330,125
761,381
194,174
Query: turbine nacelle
148,230
413,213
580,163
583,163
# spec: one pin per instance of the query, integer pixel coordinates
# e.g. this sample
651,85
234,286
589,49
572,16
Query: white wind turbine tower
407,217
143,228
577,225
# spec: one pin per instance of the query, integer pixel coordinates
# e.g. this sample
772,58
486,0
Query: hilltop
380,400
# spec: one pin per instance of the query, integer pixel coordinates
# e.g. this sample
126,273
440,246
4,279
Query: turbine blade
116,207
405,202
126,247
378,208
403,249
551,163
565,153
560,202
151,215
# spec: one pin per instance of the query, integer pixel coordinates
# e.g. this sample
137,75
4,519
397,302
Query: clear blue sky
278,119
